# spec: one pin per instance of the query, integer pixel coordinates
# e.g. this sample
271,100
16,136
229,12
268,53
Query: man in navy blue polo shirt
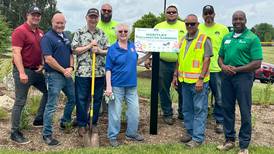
59,68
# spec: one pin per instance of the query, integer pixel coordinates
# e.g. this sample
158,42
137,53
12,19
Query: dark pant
215,86
21,92
83,98
166,71
237,87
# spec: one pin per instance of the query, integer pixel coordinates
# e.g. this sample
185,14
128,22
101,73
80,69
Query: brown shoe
81,131
193,144
226,146
243,151
186,138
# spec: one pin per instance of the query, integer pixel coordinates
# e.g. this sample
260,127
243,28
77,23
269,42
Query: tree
264,31
15,11
5,33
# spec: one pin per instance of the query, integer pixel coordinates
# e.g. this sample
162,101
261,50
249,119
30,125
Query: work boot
114,143
168,120
51,141
219,128
186,138
136,137
226,146
82,131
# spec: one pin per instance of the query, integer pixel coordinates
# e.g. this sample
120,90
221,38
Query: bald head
192,24
106,13
239,21
58,22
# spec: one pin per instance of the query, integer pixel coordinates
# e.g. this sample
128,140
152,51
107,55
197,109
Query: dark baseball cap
34,9
93,11
208,8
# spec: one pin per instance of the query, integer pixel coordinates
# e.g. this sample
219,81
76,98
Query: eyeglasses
121,31
106,10
191,24
208,13
171,12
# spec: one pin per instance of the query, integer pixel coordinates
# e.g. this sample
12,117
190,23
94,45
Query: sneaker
51,141
193,144
243,151
219,128
114,143
19,138
168,120
186,138
74,123
37,123
226,146
136,137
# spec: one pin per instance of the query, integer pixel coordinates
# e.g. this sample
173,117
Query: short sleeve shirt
241,50
109,30
29,41
84,62
216,34
58,46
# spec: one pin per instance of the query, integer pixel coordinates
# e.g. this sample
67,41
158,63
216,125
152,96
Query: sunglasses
191,24
208,13
171,12
106,10
121,31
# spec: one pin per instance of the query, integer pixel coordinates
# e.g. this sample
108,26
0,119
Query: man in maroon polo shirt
27,70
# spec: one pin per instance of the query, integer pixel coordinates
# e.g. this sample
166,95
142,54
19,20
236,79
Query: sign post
155,40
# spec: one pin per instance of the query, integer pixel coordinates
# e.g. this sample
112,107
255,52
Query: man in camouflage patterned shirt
87,40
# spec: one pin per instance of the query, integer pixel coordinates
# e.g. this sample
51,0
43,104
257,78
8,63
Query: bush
5,33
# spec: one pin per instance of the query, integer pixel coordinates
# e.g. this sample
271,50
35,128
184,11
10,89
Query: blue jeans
195,110
83,99
57,82
215,86
21,92
237,87
115,109
166,71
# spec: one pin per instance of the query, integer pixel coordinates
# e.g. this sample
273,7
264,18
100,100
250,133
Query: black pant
21,92
237,87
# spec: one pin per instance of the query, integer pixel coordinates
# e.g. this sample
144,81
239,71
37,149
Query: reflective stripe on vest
190,65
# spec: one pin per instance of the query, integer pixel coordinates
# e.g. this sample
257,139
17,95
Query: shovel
91,138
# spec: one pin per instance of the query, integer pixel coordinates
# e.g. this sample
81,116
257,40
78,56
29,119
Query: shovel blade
91,138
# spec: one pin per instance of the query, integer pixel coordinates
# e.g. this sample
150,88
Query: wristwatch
201,78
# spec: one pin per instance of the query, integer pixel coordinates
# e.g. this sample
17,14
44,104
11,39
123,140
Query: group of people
209,58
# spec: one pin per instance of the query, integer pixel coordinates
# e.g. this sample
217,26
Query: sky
128,11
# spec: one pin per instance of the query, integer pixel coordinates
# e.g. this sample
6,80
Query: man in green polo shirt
167,66
216,32
240,55
106,24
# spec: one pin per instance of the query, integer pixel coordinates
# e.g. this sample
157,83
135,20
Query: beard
106,18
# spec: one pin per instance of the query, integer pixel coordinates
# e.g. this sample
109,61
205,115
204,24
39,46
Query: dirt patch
262,131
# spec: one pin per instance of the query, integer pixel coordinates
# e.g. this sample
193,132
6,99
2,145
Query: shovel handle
92,83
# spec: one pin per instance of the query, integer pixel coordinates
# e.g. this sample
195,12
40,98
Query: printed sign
156,40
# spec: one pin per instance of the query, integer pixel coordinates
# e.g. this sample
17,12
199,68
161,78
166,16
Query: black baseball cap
208,8
93,11
34,9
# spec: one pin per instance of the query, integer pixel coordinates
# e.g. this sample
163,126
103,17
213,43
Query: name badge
227,41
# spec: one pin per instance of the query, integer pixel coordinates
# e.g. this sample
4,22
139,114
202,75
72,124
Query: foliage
264,31
147,21
6,67
15,11
3,114
5,33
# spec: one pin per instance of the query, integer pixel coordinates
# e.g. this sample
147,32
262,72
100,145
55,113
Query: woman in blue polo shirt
121,81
